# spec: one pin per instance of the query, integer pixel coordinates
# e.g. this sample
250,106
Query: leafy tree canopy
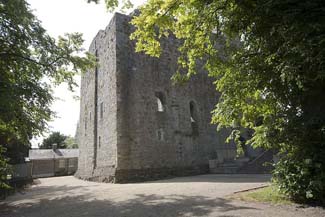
71,142
31,62
61,140
54,138
268,60
114,4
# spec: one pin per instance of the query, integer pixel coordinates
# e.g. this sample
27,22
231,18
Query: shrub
302,178
5,171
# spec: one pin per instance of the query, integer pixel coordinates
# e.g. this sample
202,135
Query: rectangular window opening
101,110
61,164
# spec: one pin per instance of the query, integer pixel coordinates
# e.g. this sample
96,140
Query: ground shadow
139,206
47,191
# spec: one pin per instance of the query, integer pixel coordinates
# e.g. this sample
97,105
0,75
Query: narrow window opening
179,151
160,101
194,119
160,134
99,141
85,120
101,110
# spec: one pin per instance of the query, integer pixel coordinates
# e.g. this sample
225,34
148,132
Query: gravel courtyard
203,195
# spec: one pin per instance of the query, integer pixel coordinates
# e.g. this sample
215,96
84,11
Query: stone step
224,170
229,164
243,165
257,166
229,167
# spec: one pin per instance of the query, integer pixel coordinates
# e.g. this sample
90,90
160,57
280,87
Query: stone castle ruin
134,123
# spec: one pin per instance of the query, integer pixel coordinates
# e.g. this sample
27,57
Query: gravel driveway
186,196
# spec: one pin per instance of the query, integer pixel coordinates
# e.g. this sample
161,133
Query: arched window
194,119
160,101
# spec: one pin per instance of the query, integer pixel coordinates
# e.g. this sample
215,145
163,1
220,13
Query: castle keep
134,123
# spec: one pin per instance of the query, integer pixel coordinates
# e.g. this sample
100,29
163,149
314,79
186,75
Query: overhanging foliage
268,59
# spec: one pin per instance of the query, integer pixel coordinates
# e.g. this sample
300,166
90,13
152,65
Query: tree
71,142
31,63
29,59
54,138
268,60
61,140
4,171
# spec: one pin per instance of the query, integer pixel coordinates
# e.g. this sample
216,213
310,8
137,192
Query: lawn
267,194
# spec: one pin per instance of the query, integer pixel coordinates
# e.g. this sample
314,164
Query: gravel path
186,196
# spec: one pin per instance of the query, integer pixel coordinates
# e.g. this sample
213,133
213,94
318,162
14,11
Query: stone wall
97,125
156,143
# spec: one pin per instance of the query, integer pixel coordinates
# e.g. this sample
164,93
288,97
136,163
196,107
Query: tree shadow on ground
138,206
47,192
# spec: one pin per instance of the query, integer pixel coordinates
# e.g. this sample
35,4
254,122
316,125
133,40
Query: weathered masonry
134,123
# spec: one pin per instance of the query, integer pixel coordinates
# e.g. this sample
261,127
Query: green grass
268,194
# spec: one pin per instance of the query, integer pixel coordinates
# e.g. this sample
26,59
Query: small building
53,162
